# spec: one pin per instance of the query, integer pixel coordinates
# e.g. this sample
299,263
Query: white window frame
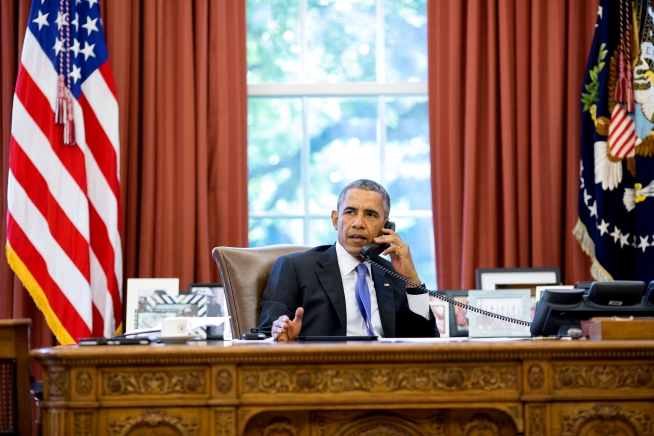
380,89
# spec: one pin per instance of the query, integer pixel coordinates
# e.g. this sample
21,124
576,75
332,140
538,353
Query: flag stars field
643,243
90,25
42,20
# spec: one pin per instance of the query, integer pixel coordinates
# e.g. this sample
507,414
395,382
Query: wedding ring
399,246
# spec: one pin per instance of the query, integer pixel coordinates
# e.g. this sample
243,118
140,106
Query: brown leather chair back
245,272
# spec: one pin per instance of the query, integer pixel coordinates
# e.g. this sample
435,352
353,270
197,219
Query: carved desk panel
444,387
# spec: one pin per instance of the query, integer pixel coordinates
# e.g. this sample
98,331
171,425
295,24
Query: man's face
359,220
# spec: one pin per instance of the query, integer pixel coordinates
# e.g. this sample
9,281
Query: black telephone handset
371,252
375,250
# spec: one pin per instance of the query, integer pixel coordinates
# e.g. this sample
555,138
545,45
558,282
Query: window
337,92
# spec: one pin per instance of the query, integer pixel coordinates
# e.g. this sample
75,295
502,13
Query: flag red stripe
37,106
99,145
618,142
57,300
627,142
103,250
61,227
98,323
622,126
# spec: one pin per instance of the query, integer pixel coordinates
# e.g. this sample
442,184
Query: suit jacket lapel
385,300
330,278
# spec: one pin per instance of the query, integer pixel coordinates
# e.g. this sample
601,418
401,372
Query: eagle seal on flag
616,191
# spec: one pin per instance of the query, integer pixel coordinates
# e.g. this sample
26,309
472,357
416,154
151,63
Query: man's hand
284,330
400,255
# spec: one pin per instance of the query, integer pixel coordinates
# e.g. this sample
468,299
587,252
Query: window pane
419,234
273,45
406,40
321,232
271,231
340,41
407,168
274,148
343,134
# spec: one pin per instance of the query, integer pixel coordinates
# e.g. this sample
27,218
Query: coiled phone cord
449,300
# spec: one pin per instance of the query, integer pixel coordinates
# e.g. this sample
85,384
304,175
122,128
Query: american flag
63,214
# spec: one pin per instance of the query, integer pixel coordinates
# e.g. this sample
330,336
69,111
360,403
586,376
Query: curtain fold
180,71
505,80
183,133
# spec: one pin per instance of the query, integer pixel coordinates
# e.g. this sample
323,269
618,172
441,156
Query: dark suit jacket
312,280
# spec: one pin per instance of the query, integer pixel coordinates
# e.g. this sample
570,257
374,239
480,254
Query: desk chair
14,377
244,273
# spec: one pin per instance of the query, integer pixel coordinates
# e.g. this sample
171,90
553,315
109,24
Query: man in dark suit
322,288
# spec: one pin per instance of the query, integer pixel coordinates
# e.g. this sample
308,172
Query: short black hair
366,185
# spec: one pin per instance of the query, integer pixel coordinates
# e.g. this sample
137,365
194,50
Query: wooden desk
476,388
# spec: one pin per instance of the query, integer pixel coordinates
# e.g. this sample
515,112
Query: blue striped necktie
363,297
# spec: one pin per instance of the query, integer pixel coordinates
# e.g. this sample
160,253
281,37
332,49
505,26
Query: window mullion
381,137
305,167
303,41
380,57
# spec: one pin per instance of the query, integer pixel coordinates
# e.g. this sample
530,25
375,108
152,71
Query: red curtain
505,81
180,70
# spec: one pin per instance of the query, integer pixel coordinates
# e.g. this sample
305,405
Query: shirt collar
347,262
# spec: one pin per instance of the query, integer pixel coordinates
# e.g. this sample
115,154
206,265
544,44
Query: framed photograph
514,303
518,278
138,290
512,278
441,312
216,306
215,293
458,316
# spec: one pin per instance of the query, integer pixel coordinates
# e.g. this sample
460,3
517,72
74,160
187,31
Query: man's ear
335,219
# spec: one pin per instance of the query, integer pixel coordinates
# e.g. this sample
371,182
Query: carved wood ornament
536,377
153,422
604,377
58,381
224,422
83,384
537,421
83,424
607,419
375,380
154,383
224,381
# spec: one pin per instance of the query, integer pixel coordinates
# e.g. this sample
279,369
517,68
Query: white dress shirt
355,324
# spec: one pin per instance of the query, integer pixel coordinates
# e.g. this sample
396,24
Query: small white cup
175,326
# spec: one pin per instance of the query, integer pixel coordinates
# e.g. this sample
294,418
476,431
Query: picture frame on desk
138,290
216,306
513,303
215,293
518,278
508,278
441,312
458,316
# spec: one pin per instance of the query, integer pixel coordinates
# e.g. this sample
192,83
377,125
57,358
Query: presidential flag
616,190
63,214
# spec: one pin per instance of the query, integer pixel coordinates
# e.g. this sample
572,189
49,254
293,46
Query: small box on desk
598,329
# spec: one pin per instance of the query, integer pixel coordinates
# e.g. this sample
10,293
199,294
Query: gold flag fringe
33,287
598,272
